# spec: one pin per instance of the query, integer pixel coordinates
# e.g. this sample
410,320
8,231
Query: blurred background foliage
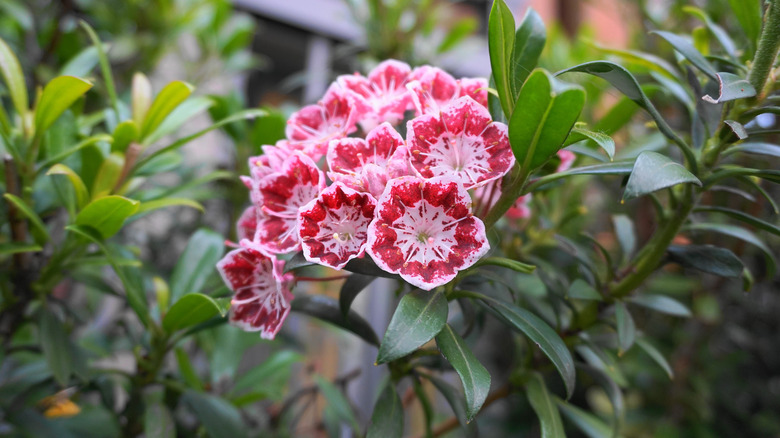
214,379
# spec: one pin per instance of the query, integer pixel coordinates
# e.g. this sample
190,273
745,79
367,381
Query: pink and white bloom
367,165
262,292
567,159
431,88
278,197
521,209
271,161
333,228
382,96
462,141
424,231
314,126
247,224
475,88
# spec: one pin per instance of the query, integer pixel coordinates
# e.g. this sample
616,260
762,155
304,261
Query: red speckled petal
423,230
382,97
332,228
475,88
247,223
431,88
314,126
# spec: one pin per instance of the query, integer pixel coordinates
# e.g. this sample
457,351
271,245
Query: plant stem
768,45
509,195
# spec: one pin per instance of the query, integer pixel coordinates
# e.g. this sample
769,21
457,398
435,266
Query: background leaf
219,417
653,172
387,421
196,263
58,95
418,318
474,376
107,215
544,406
707,258
192,309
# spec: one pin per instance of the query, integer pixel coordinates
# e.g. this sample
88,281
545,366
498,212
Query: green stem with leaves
768,46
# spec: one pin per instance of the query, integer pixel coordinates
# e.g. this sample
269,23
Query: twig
452,422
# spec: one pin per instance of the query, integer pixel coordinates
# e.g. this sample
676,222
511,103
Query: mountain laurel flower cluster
345,183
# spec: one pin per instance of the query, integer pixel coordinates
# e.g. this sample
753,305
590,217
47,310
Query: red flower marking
382,96
424,230
431,89
475,88
462,141
332,228
247,224
313,126
262,293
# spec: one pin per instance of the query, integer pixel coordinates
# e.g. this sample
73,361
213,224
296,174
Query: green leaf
452,396
355,284
148,206
756,148
56,346
720,34
140,98
588,423
338,402
741,234
507,263
270,376
501,37
604,141
58,95
615,168
546,111
539,333
39,231
196,263
730,87
108,175
656,355
124,134
327,309
77,147
544,406
626,329
11,71
158,421
219,417
458,33
624,229
81,64
107,215
653,63
474,376
529,43
707,258
10,248
166,101
737,128
418,318
82,195
192,309
741,216
652,172
581,290
105,66
613,391
366,266
188,373
662,303
136,296
748,13
690,53
387,421
179,116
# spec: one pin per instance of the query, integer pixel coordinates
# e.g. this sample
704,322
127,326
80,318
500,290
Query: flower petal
382,97
475,88
314,126
431,88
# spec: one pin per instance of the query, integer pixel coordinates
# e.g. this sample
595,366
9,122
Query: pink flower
333,227
262,293
431,89
462,141
313,126
271,161
521,208
247,224
367,165
567,159
475,88
424,230
278,197
382,96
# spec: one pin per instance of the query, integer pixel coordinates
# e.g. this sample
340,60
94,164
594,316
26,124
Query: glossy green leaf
615,168
328,310
748,13
108,175
338,401
10,248
546,111
366,266
656,355
140,98
75,148
192,309
387,421
12,74
652,172
124,134
82,195
82,64
706,258
179,116
453,397
355,284
588,423
730,87
148,206
219,417
418,318
624,230
648,61
737,128
196,263
543,404
188,373
685,48
171,96
529,43
58,95
474,376
741,234
105,66
604,141
507,263
501,37
297,261
56,346
756,148
581,290
270,376
158,421
662,303
720,34
626,329
602,360
39,231
742,216
107,215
